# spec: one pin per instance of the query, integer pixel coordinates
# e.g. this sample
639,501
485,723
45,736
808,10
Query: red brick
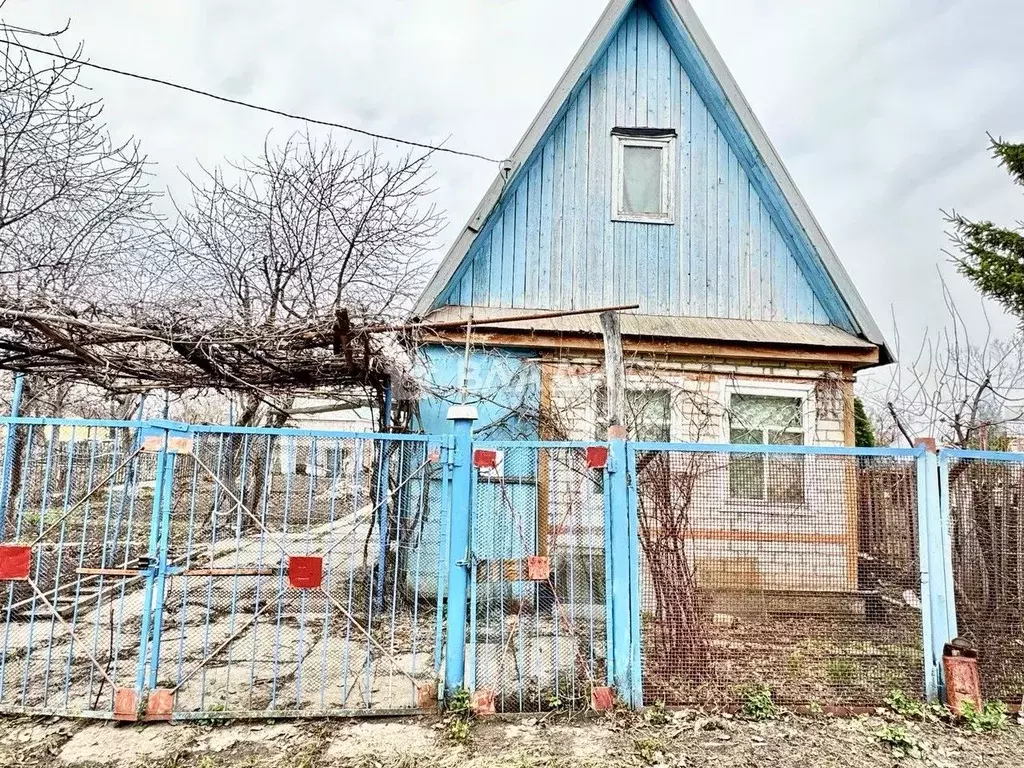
126,705
160,705
426,695
602,698
483,702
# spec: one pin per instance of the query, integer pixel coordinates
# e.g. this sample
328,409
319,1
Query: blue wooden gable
742,245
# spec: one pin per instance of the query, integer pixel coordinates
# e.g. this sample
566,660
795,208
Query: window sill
643,219
754,507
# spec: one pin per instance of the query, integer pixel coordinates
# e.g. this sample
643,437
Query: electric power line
248,105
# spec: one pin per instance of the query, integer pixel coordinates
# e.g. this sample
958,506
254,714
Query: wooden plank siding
551,243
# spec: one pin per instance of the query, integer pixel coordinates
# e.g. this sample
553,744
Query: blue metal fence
201,571
538,634
215,571
80,507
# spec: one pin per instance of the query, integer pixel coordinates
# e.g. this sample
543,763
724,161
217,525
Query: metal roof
665,326
688,20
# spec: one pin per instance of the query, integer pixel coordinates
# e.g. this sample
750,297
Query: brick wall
699,396
762,547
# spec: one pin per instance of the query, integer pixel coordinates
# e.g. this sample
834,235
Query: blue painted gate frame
157,439
159,568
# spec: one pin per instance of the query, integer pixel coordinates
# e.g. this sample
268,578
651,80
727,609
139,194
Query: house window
766,420
642,162
648,414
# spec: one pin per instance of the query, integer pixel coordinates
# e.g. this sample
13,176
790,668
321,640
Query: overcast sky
879,108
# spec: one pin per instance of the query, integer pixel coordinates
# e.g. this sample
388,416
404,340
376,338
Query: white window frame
591,490
666,143
807,416
657,386
770,389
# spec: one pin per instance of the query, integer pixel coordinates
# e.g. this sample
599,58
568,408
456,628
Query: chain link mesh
537,632
81,498
793,571
240,637
986,509
786,568
231,633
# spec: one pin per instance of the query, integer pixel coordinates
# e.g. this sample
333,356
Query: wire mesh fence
233,572
537,628
243,633
77,512
986,509
781,568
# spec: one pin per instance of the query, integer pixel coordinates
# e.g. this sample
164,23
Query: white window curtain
766,420
641,179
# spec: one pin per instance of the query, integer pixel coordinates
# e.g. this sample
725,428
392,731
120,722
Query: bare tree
305,231
967,391
75,208
669,487
962,390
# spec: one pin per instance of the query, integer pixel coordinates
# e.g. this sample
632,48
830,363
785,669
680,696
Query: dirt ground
688,739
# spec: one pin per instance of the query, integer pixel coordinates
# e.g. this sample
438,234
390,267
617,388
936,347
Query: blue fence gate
78,527
190,571
539,587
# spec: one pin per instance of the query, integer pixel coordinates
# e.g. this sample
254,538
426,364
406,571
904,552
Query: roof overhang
690,337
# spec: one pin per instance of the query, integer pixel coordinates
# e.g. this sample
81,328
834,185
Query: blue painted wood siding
503,384
551,243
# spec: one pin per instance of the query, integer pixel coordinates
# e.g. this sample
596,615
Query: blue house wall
551,243
504,385
741,245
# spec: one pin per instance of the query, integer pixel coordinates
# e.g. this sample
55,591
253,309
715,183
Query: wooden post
543,458
614,369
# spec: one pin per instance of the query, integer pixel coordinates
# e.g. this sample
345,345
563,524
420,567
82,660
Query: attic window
642,163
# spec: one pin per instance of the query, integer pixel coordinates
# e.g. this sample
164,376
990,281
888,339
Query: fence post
620,565
633,520
462,416
10,443
165,470
149,562
383,502
944,624
938,609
